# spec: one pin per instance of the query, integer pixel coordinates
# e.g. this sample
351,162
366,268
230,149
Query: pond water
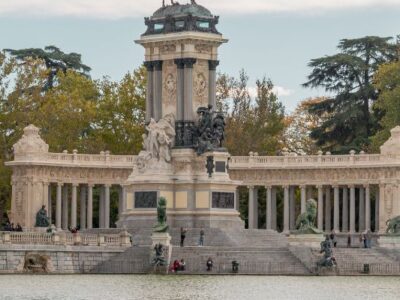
102,287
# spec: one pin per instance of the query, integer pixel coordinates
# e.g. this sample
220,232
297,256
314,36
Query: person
201,240
182,265
176,265
210,264
362,238
183,236
349,240
333,238
18,228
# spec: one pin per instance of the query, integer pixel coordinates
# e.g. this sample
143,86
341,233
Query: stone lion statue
393,225
305,222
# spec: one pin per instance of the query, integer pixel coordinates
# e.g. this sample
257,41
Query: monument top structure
181,17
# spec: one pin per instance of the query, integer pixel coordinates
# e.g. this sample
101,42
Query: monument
183,160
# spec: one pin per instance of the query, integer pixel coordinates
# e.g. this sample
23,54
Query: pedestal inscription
223,200
145,199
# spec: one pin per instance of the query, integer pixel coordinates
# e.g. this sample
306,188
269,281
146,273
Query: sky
272,38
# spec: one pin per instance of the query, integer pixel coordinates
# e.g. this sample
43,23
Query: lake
102,287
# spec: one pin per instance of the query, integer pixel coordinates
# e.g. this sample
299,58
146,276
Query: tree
121,113
348,75
299,126
387,82
54,60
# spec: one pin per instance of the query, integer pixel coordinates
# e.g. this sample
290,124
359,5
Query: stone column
49,203
255,208
367,207
188,88
101,207
309,192
274,223
58,205
303,199
65,208
83,207
382,213
292,208
180,89
250,220
90,206
345,210
237,199
107,206
149,91
286,212
121,207
212,78
352,209
361,210
336,210
320,207
74,206
157,89
377,210
328,209
268,191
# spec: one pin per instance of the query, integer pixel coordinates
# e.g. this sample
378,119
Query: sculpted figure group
177,3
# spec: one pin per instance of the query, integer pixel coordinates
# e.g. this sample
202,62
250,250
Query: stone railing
122,239
104,159
313,161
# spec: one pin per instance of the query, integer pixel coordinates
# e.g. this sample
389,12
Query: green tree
54,60
387,82
348,76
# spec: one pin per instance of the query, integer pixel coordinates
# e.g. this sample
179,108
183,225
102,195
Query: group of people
178,265
10,227
365,239
183,237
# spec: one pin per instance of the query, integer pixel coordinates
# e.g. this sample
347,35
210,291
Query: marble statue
161,225
157,142
305,222
41,218
393,225
327,260
158,257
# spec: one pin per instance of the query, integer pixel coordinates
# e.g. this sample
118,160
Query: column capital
303,186
213,64
149,66
157,64
60,183
91,185
320,186
189,62
180,63
268,186
46,183
74,184
107,185
351,186
366,186
335,186
286,186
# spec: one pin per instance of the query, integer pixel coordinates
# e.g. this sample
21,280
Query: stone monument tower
183,160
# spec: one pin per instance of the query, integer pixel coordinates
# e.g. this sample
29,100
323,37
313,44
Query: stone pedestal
306,240
196,196
164,239
40,229
389,241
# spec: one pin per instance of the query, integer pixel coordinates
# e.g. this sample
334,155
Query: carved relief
170,84
200,85
203,48
168,48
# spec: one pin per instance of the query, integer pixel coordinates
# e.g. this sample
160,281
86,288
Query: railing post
77,238
6,238
74,155
101,240
125,239
56,239
352,153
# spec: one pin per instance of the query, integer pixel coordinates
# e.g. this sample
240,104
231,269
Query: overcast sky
273,38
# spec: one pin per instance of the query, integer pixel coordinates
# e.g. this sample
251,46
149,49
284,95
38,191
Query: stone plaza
184,162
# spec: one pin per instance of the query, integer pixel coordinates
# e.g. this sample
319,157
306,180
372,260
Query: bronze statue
393,225
327,260
161,225
41,218
305,222
158,257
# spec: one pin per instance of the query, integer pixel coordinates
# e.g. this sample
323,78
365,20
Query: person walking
210,264
183,236
368,238
201,240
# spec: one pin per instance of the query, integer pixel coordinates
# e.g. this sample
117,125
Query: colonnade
335,201
66,205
